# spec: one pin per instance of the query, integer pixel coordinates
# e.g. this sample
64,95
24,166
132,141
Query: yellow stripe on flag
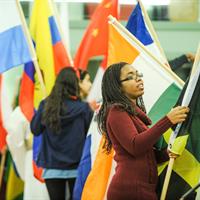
40,32
99,175
179,144
166,136
187,167
119,49
15,186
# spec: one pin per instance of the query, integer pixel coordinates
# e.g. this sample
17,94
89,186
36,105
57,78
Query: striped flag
153,71
138,26
14,49
52,57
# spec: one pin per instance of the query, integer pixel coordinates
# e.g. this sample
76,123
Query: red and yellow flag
95,40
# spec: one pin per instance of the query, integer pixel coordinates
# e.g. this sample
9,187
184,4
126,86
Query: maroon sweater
136,172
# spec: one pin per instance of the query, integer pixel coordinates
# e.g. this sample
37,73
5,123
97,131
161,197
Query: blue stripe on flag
83,169
55,35
14,50
30,70
37,140
137,26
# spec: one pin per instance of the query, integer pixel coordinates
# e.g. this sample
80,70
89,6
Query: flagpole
52,5
167,178
114,22
32,49
196,61
152,30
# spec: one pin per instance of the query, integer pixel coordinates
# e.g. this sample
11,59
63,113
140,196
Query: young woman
63,120
84,83
125,126
85,86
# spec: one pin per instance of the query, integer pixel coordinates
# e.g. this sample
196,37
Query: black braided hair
112,95
66,87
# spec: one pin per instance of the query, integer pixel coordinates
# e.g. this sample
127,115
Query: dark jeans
57,188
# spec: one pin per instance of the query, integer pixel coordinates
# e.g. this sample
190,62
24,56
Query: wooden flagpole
196,61
115,23
152,30
54,9
167,178
32,49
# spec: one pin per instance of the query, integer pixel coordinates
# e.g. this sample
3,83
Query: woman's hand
178,114
172,155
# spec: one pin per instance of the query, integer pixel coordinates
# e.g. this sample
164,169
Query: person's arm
178,62
36,123
123,129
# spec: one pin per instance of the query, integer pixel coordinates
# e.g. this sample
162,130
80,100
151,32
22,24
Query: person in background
179,61
185,60
85,86
125,125
84,83
63,120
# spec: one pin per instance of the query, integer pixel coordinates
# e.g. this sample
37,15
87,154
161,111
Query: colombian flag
52,57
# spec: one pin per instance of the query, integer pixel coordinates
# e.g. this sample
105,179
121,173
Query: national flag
95,39
153,71
52,57
87,160
141,27
93,156
14,49
185,142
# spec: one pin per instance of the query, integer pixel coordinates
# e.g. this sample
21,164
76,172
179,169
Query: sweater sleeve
178,62
123,129
36,123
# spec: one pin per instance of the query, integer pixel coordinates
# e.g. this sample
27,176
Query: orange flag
95,40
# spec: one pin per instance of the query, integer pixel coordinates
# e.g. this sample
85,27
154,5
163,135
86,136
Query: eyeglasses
133,77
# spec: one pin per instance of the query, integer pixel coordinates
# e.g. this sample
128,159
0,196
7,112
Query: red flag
95,40
2,130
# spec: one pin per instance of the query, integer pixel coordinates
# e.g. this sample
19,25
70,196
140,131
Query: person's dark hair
112,95
82,73
66,87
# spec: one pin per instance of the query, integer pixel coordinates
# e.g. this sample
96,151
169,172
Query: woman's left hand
172,155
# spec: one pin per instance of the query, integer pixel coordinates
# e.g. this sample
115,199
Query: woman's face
131,83
85,85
